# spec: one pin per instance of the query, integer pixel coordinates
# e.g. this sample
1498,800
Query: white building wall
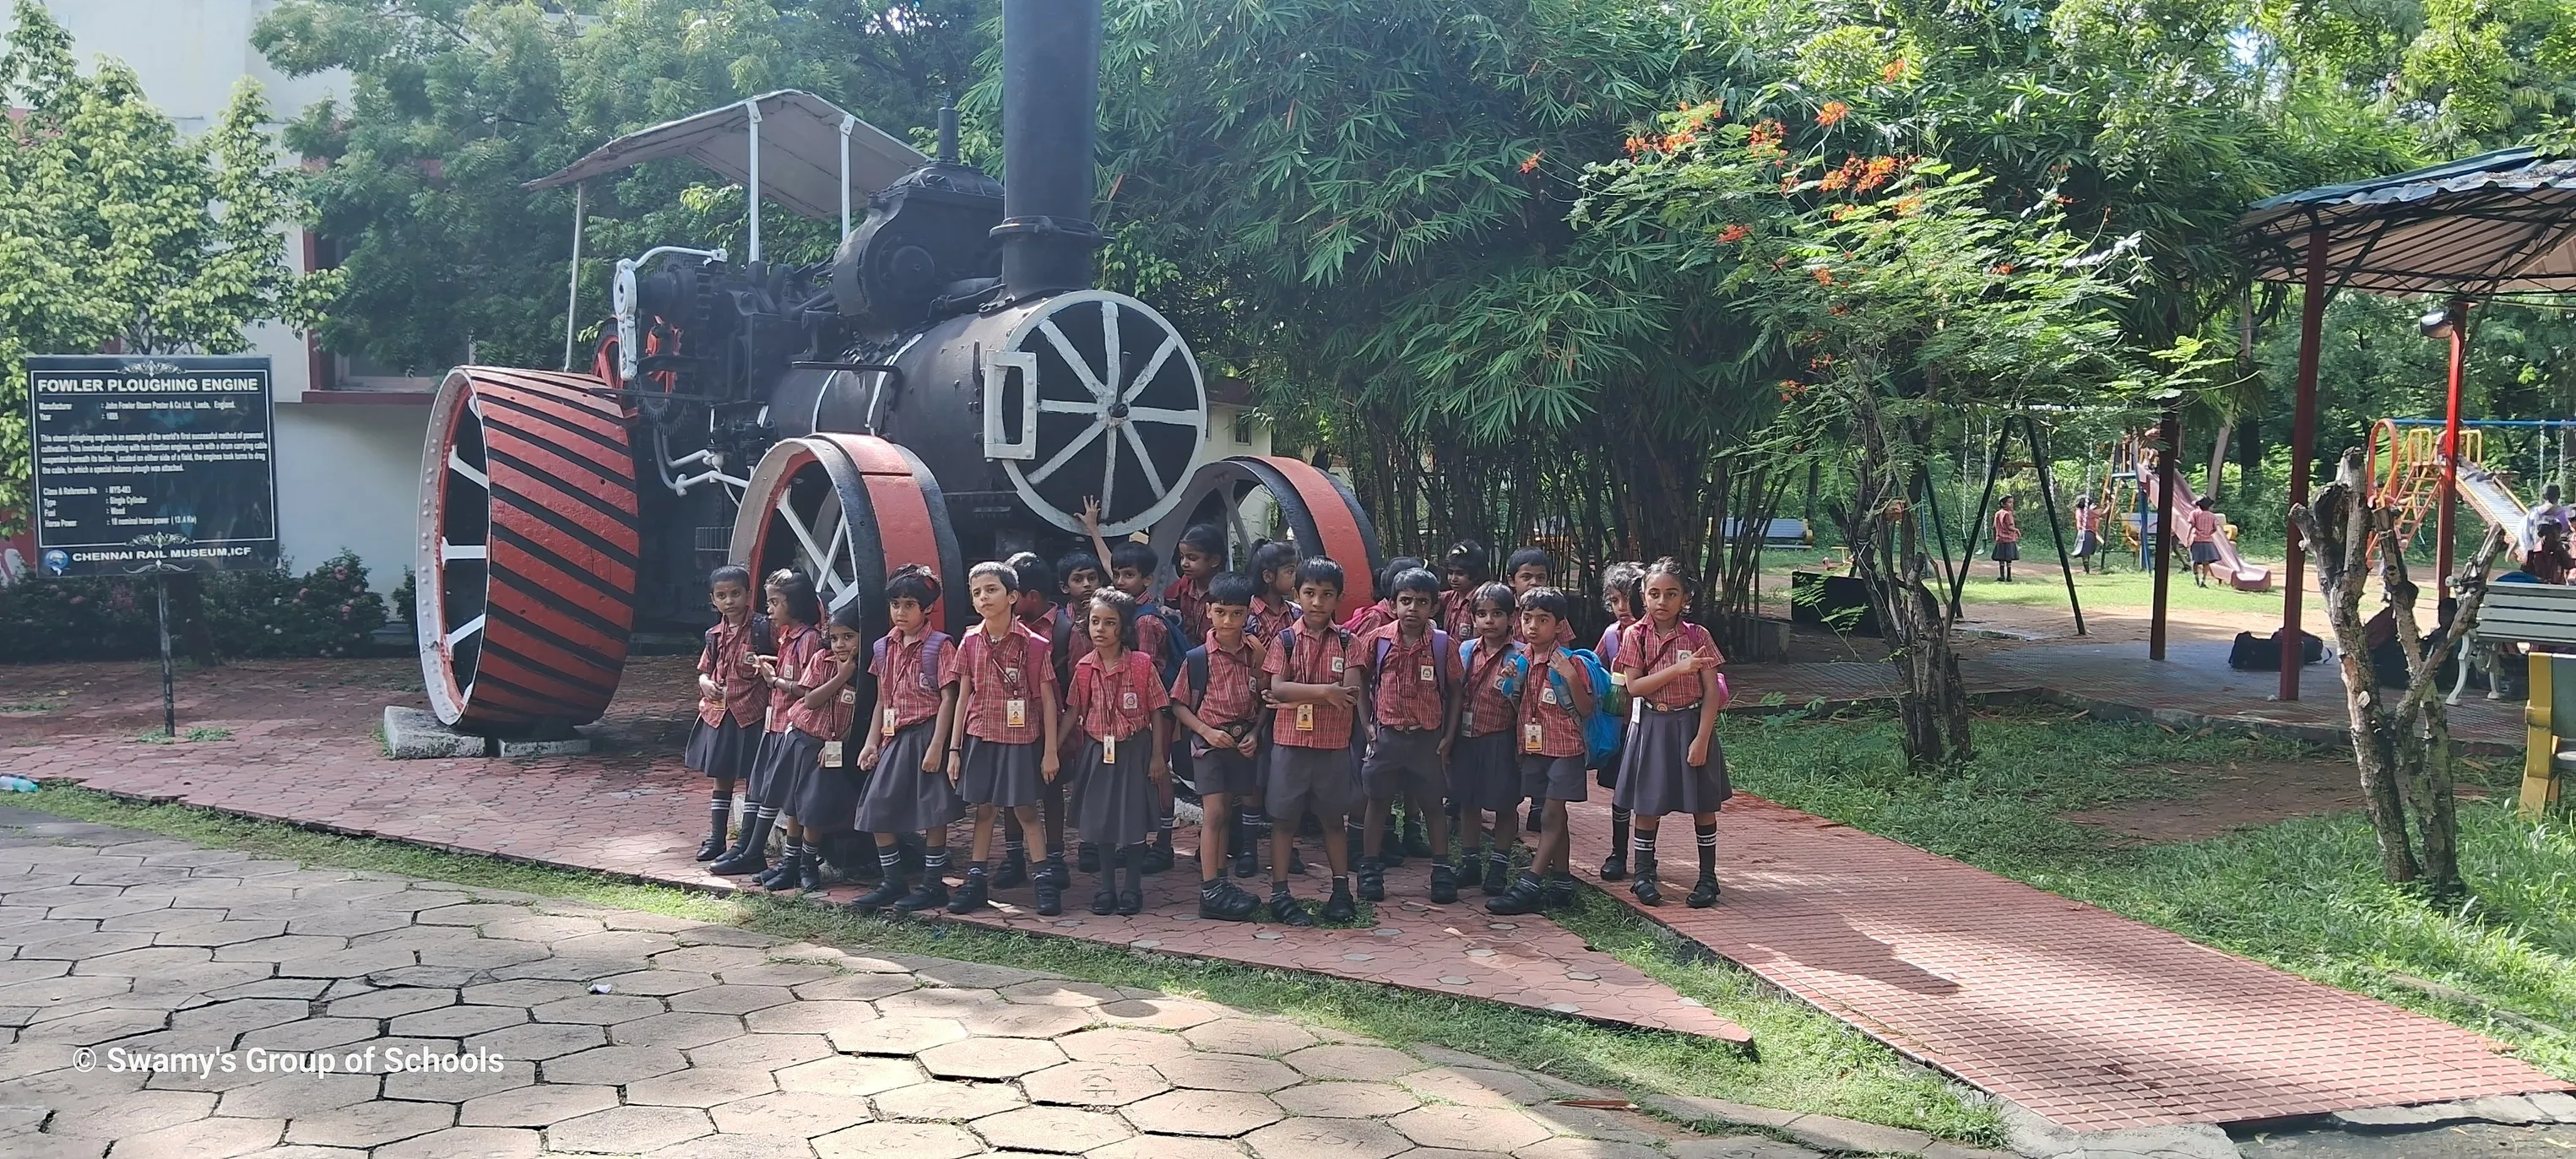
348,477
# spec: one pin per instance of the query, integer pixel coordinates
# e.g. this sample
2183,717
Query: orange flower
1733,233
1833,112
1836,179
1529,164
1789,184
1768,132
2004,268
1636,145
1906,206
1676,142
1876,173
1824,277
1894,72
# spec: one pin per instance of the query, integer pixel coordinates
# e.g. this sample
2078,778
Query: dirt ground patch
2237,797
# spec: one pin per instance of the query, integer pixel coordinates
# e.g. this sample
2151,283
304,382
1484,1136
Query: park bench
2516,613
2550,747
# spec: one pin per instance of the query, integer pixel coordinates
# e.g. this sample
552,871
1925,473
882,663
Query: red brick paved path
2087,1018
302,752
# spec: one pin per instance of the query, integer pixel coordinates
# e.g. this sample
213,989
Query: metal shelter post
2169,434
2445,522
847,123
2303,434
2048,495
572,295
751,195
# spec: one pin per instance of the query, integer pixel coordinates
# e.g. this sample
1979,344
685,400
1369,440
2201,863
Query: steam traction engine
948,387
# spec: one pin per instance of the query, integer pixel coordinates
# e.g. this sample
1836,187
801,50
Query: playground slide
2495,503
2245,576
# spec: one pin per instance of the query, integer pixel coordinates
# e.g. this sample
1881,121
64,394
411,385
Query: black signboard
152,463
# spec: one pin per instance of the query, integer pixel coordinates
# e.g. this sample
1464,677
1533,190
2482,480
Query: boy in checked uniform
1314,692
1413,673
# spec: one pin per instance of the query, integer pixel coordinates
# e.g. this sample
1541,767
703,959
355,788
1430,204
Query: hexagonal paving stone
1586,1149
1469,1128
219,933
1220,1114
391,1003
282,948
1170,1147
855,987
1596,1123
93,1027
764,1052
679,1031
730,999
371,1124
725,1146
1326,1139
539,1041
776,973
311,1034
899,1141
938,1003
524,992
1055,992
296,1096
659,983
990,1058
467,915
613,1066
217,1138
944,1100
1226,1072
896,1035
1340,1100
1142,1047
803,1114
1025,1021
1362,1063
812,1015
1056,1130
1248,1036
1094,1084
601,1009
626,1130
848,1075
349,923
457,1021
710,959
542,1105
528,927
1474,1086
1161,1013
129,1114
701,1087
1740,1147
456,1086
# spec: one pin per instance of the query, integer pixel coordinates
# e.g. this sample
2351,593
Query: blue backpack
1601,731
1176,650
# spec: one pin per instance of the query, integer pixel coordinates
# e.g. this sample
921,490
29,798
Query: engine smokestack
1050,111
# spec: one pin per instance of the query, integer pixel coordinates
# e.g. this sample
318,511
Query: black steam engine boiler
949,387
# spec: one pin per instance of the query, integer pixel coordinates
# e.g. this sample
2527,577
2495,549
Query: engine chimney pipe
1050,114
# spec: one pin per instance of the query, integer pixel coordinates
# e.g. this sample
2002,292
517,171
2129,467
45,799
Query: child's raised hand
1091,517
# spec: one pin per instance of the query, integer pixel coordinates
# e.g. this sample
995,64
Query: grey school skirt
768,786
723,750
900,798
822,800
1655,775
1485,772
1116,804
1005,775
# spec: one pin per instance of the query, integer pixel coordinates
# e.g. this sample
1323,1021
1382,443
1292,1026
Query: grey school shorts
1553,778
1318,779
1404,764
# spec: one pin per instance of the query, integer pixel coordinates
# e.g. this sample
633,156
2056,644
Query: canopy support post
2303,436
2446,517
751,195
2169,435
572,296
847,123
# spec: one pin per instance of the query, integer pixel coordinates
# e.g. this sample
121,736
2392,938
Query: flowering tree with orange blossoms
1900,299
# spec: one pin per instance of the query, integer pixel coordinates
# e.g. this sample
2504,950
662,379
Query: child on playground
2088,534
1201,553
1619,597
823,796
793,613
1314,692
1118,702
1216,700
916,670
1672,763
1484,775
726,736
1555,698
1462,571
2007,539
2203,526
1413,672
1001,754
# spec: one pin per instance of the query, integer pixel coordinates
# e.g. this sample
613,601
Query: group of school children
1450,698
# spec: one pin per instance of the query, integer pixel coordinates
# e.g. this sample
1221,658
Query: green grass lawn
2127,589
2302,895
1803,1059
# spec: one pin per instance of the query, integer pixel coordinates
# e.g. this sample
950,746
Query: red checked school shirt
1121,703
1488,709
1545,708
1230,682
1370,618
1643,651
1189,602
832,721
1153,637
1000,681
1269,616
727,646
797,648
1318,658
1458,614
906,687
1409,680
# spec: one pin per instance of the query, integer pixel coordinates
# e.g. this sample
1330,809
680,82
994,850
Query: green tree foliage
115,230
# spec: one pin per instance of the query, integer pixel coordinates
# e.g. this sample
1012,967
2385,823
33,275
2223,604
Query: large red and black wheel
528,549
846,511
1258,497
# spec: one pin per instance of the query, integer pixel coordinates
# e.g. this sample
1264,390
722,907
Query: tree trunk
2218,459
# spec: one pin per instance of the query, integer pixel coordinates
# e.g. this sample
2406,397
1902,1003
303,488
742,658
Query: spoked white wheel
528,549
846,511
1121,412
1255,497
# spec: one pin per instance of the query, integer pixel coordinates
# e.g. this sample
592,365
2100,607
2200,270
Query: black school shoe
1704,894
889,890
1053,870
1247,860
1498,875
1614,866
1287,910
1014,872
1105,902
1649,891
1444,883
1559,893
1222,900
1131,902
1158,856
1372,879
809,871
1340,908
931,894
1524,897
1050,896
714,846
972,896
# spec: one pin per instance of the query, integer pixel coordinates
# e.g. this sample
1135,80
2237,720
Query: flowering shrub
328,611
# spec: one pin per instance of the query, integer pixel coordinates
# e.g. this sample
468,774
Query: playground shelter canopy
2500,224
806,153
